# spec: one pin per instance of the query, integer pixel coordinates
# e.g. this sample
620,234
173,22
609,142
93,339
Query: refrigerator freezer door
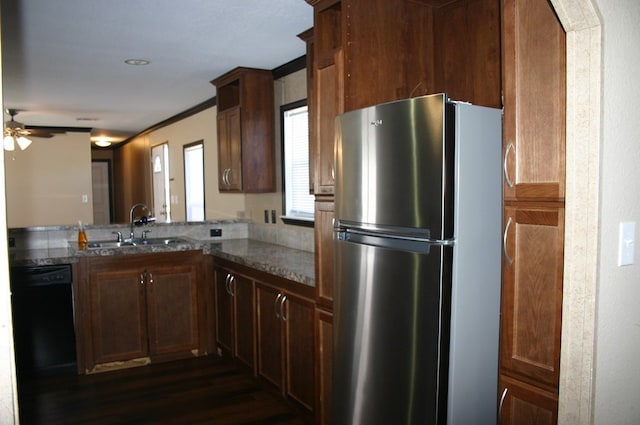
390,353
394,167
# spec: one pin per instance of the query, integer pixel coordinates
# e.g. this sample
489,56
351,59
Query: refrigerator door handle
408,244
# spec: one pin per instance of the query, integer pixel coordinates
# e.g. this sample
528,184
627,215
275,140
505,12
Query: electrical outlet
214,233
266,216
273,216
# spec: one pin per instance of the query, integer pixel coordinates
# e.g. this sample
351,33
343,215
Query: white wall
201,126
617,364
53,194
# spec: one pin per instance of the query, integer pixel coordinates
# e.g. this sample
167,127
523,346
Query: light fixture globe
8,143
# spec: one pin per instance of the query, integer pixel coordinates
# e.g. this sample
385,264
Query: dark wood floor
205,390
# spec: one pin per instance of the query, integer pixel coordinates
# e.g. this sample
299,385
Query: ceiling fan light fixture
15,133
103,143
8,143
23,142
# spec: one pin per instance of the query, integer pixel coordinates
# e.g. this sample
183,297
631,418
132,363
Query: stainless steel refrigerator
417,243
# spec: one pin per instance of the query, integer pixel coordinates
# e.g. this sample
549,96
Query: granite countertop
292,264
289,263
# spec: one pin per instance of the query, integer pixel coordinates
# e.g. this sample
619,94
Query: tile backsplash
51,237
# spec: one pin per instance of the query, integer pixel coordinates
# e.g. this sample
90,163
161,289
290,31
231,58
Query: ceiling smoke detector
137,62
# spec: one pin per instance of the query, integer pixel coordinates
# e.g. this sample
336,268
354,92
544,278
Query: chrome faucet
140,220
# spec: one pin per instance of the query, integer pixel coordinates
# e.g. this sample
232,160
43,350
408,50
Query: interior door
161,194
100,182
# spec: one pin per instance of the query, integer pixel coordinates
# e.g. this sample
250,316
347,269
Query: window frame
185,149
289,219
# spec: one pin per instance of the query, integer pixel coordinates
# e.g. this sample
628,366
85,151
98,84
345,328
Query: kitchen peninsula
135,305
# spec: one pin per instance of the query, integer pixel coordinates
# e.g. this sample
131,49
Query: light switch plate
626,243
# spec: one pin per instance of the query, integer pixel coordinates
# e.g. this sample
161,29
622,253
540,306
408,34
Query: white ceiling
63,61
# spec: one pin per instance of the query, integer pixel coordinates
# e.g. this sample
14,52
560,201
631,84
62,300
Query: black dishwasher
43,320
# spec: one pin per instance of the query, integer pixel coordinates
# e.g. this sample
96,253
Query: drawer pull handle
284,299
501,405
275,306
510,146
504,242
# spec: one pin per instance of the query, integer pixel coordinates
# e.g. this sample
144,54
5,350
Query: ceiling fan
17,132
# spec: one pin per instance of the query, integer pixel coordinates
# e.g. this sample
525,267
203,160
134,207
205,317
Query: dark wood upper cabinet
467,51
246,147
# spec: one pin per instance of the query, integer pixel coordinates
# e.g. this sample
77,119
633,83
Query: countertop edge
289,263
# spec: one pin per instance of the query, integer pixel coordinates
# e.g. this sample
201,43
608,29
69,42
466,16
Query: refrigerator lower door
390,334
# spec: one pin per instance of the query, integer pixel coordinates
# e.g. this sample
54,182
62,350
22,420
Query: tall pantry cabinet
364,52
534,73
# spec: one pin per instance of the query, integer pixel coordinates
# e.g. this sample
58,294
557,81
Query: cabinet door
298,317
324,252
324,366
534,86
118,313
269,334
224,310
172,303
327,105
244,326
522,404
532,293
229,151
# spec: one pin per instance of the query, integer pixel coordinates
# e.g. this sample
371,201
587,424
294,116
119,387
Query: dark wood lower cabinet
271,320
140,308
524,404
324,365
269,335
235,311
286,343
299,349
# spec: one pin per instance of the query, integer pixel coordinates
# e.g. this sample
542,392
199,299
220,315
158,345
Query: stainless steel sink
108,244
159,241
135,242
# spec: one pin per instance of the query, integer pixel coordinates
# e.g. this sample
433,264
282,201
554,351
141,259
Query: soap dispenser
82,236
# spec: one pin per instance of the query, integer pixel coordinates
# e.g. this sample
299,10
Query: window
298,202
194,181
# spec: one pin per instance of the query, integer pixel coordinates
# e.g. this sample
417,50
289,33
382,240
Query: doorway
101,188
161,194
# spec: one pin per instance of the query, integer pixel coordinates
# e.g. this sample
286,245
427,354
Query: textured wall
617,369
46,182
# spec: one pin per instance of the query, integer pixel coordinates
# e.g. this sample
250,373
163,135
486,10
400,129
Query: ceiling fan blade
44,132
